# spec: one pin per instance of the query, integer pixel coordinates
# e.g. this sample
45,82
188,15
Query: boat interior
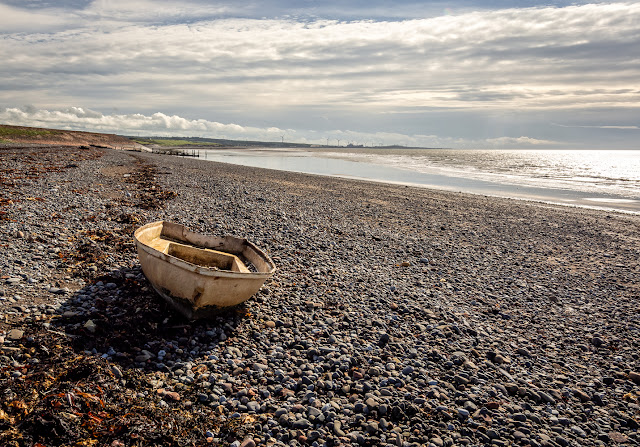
204,257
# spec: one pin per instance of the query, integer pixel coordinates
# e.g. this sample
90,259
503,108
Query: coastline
313,162
397,314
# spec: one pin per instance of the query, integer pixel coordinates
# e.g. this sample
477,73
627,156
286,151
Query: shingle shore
398,316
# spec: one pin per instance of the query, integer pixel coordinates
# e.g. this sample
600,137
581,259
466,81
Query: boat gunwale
199,269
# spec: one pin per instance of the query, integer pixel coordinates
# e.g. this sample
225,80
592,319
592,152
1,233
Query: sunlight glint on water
610,172
605,179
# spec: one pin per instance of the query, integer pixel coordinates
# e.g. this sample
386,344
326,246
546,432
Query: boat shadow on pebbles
120,318
118,363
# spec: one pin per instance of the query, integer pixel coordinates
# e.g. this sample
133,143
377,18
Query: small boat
200,275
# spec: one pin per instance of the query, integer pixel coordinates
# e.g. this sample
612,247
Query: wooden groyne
181,152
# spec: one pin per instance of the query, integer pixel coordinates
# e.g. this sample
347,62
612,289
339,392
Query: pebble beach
397,316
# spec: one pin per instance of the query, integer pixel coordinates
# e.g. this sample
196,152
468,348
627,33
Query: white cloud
128,11
105,15
157,123
18,20
618,127
549,57
521,142
157,55
160,124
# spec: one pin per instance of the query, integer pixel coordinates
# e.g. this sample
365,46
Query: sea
604,179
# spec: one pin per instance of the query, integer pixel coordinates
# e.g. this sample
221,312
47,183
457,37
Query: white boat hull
200,275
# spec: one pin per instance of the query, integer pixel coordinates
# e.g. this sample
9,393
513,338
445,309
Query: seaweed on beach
90,248
150,194
397,317
66,398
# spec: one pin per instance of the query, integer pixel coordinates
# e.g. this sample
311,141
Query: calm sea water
599,179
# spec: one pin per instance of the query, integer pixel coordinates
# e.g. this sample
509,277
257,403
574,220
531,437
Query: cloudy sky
460,73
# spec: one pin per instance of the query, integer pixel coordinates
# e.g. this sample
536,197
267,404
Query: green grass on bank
169,142
20,132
